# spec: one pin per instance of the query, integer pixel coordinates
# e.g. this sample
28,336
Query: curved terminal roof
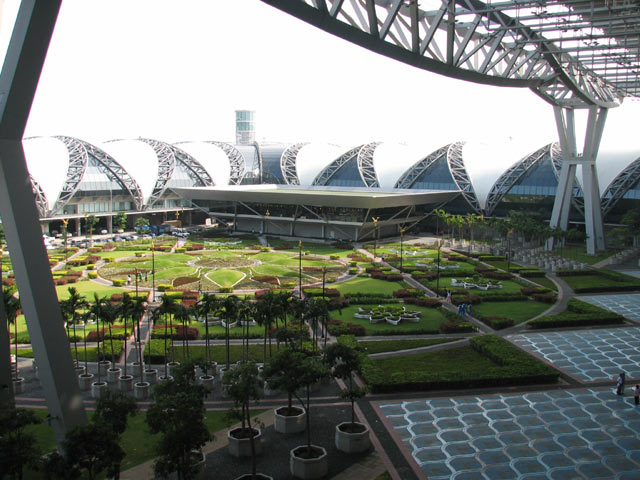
391,160
137,158
313,158
47,161
211,157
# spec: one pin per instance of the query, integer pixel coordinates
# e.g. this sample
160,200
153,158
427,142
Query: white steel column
565,123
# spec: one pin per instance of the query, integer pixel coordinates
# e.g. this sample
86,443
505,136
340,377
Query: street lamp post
324,323
300,268
375,237
266,223
438,270
402,230
153,271
509,250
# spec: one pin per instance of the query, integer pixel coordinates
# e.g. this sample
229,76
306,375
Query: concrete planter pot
125,383
85,380
136,368
163,379
104,366
113,374
352,441
150,375
141,390
213,369
79,369
199,461
295,422
98,388
310,468
208,382
172,366
240,443
259,476
18,385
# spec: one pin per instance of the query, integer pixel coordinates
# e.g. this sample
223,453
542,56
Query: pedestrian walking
448,296
146,276
636,395
128,279
462,309
469,310
620,384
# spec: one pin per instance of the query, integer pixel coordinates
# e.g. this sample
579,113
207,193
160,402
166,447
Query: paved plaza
627,305
589,355
576,434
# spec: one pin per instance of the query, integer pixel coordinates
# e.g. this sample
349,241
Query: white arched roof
313,157
212,158
138,159
48,162
391,160
486,162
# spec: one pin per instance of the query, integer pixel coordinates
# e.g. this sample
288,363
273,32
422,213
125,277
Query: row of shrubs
624,283
513,367
578,314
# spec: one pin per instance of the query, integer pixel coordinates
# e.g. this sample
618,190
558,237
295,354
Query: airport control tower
245,127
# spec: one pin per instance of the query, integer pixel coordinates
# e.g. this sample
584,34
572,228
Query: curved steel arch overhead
237,165
460,175
365,165
194,168
288,163
409,178
41,197
513,175
109,166
78,161
166,166
330,170
620,185
508,43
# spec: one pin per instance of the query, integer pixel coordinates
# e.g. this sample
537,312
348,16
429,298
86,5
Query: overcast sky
177,69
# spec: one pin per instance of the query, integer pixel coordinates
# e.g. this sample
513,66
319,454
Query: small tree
345,362
90,223
11,308
93,448
17,447
120,221
178,415
243,384
141,224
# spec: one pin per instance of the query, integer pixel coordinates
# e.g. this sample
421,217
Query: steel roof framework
237,165
461,176
573,53
41,197
288,163
323,178
166,166
410,177
620,185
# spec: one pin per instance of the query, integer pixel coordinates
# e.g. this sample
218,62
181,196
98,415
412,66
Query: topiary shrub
93,275
117,282
163,287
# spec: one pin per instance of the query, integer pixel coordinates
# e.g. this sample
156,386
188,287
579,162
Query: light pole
375,237
438,270
509,250
402,230
266,223
153,270
300,268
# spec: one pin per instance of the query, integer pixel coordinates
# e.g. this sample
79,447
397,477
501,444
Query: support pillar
37,293
565,123
78,228
110,223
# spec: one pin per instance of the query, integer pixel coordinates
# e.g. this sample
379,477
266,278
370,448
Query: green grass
381,346
87,288
370,286
578,282
430,320
579,254
508,286
545,282
137,441
218,352
226,277
517,311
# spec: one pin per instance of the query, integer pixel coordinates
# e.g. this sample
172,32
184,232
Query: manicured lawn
508,286
217,352
115,254
545,282
430,320
87,288
595,281
226,277
137,441
380,346
517,311
579,253
371,286
92,352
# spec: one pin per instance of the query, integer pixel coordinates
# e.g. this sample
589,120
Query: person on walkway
470,310
620,384
128,279
636,395
448,296
146,276
462,309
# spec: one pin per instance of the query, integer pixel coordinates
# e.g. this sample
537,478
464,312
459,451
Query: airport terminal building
302,189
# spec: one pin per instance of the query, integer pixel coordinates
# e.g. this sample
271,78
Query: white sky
177,69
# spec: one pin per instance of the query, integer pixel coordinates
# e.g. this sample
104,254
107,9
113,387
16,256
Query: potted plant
178,416
283,373
350,437
243,385
309,461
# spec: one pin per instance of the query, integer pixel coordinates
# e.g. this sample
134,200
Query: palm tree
98,310
183,314
230,308
267,310
125,311
12,307
71,308
208,304
245,313
167,307
137,312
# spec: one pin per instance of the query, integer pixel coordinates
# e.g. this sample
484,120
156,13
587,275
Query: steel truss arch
620,185
288,163
410,177
365,165
237,164
109,166
330,170
501,43
166,167
460,175
41,198
508,179
194,168
78,161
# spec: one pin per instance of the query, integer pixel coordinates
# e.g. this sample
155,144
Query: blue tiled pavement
578,434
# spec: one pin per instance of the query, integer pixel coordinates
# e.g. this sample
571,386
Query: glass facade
271,171
436,177
347,176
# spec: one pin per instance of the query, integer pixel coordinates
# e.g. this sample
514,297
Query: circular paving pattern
584,434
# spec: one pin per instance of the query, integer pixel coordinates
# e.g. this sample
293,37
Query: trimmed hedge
531,273
512,367
497,323
578,314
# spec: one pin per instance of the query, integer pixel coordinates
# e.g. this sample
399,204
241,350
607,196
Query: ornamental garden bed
490,361
429,322
518,311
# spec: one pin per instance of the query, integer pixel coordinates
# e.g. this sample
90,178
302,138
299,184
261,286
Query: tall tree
12,307
72,308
